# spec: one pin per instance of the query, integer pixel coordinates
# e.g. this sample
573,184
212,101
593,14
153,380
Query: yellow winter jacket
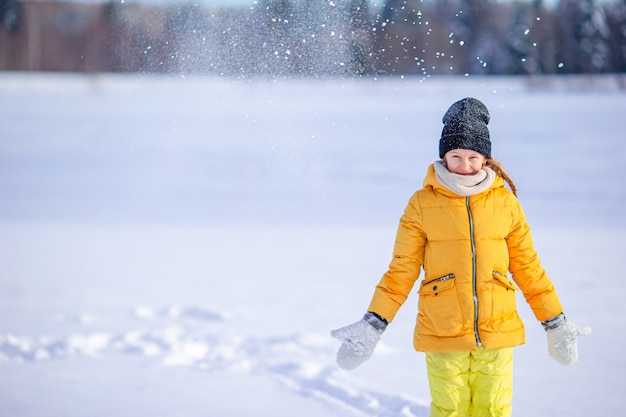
466,246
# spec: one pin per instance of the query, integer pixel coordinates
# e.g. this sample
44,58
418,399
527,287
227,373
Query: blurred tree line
316,37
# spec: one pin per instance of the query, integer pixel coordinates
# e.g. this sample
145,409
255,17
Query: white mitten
359,341
562,339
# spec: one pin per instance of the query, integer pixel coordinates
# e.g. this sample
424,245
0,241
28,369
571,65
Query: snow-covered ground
183,246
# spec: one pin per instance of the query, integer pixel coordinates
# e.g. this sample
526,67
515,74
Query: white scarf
464,185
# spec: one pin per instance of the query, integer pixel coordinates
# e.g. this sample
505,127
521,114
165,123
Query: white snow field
182,246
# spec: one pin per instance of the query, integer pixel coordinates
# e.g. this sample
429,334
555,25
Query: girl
467,232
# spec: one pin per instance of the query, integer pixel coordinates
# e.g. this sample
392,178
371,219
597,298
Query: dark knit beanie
465,127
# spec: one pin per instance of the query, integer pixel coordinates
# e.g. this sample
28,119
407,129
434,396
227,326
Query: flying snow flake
145,313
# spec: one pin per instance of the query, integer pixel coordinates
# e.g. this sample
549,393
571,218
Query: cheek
451,165
477,165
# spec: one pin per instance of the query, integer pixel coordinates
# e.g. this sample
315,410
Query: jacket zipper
474,289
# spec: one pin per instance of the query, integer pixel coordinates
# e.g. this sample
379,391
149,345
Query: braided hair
499,169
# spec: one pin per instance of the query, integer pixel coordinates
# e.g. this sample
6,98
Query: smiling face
464,161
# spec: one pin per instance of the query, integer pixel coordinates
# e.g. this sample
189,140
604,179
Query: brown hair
499,169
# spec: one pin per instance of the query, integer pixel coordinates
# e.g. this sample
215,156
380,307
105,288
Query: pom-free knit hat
465,127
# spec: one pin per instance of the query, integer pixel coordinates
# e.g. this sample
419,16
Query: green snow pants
471,384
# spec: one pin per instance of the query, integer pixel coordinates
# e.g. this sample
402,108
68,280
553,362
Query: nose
466,166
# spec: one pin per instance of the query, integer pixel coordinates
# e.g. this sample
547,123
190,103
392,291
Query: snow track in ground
208,340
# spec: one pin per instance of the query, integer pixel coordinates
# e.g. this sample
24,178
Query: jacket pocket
437,285
439,311
503,299
502,279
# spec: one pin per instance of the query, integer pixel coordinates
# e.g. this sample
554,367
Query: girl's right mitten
358,340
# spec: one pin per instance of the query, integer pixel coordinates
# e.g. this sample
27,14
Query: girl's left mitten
563,339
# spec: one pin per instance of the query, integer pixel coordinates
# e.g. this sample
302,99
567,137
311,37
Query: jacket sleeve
527,271
404,268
